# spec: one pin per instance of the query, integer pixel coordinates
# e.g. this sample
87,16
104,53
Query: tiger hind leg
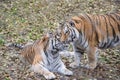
92,58
39,68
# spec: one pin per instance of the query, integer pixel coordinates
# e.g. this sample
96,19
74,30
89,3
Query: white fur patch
77,33
66,53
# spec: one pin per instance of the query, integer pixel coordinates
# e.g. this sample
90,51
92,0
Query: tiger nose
63,42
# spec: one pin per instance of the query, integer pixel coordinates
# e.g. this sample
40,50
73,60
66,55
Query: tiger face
56,44
67,32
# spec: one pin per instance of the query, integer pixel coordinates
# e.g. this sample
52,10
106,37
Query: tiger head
67,32
55,43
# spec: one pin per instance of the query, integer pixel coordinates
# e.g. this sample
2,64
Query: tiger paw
49,75
90,66
74,65
66,72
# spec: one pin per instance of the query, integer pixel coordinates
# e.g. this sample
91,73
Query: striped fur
90,33
43,55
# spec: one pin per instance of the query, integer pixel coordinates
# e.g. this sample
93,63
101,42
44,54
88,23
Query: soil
23,21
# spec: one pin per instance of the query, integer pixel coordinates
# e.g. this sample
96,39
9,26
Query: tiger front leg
76,62
92,58
63,70
39,68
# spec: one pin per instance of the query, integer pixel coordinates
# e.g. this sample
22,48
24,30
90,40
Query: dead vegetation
23,21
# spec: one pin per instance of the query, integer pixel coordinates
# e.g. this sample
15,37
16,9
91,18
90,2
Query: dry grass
23,21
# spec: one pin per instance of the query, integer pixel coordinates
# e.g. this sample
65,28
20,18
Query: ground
23,21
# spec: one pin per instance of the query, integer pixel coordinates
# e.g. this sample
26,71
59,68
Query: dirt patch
23,21
12,68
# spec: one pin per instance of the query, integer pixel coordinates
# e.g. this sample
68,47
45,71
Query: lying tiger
90,33
43,55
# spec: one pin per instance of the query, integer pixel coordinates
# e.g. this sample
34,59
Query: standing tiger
43,55
90,33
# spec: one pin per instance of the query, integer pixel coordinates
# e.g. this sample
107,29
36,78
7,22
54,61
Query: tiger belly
109,44
53,61
55,64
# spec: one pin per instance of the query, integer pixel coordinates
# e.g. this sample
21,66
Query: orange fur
43,55
83,23
32,53
97,31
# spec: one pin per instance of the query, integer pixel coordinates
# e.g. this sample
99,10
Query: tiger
44,57
90,33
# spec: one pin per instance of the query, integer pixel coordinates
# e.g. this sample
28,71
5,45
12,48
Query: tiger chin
91,33
43,55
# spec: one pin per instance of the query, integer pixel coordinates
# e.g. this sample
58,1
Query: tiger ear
61,24
49,34
76,19
45,38
71,23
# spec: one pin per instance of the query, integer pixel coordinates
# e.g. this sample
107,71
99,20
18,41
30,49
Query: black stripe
84,42
52,44
53,52
56,63
56,55
96,36
93,28
104,44
115,21
92,22
116,39
46,53
58,66
47,57
98,20
84,31
55,45
89,19
80,36
86,46
79,50
73,35
117,16
114,35
114,18
96,26
109,44
106,29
